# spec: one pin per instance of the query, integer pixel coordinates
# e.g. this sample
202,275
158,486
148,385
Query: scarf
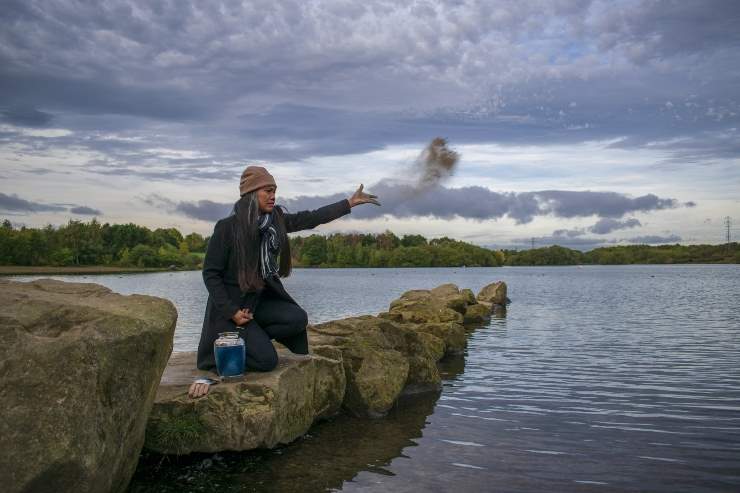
269,245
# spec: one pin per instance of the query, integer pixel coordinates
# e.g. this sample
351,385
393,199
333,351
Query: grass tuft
174,433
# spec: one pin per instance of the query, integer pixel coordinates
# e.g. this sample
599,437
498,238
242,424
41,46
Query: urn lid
229,339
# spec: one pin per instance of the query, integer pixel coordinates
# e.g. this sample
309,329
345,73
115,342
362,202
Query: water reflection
499,311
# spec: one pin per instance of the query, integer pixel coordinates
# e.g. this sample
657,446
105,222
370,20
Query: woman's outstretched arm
310,219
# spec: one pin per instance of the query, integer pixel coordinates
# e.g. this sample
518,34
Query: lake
599,378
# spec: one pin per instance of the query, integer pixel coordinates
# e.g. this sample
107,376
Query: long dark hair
247,240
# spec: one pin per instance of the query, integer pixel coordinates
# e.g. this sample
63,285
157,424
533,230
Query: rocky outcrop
443,304
359,364
381,358
493,294
79,369
397,351
260,411
419,307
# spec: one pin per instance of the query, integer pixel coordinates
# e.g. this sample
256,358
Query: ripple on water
466,444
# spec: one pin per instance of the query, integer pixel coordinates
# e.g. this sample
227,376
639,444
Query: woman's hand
360,197
242,317
198,389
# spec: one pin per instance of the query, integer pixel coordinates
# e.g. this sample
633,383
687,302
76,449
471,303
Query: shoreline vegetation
19,270
95,248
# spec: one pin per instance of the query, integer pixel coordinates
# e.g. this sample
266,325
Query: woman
242,274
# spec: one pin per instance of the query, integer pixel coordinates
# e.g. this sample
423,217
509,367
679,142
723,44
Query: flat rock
261,410
444,290
79,369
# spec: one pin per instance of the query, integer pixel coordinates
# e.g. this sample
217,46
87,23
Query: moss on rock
79,368
262,410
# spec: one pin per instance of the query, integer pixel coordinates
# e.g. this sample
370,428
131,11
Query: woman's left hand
197,390
360,197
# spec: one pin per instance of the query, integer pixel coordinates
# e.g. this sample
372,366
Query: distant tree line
77,243
632,254
128,245
388,250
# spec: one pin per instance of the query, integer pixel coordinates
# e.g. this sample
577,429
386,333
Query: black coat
220,276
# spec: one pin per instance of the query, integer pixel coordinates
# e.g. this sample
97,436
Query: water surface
599,378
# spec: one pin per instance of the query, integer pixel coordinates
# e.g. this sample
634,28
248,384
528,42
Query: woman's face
266,198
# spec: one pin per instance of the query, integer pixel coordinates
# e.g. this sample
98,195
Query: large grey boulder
79,369
261,410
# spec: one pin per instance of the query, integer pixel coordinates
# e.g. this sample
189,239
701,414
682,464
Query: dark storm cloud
41,171
481,203
25,116
204,210
15,204
289,79
85,211
607,225
703,147
605,204
476,203
665,28
100,96
165,173
568,233
603,226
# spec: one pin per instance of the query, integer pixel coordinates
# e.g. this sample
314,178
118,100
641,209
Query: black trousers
274,318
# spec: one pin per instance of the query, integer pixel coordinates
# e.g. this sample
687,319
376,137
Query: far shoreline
17,270
21,270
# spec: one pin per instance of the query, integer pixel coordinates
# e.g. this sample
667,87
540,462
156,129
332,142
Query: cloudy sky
578,122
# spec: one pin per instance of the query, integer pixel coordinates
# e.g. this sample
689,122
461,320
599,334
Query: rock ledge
260,411
360,365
